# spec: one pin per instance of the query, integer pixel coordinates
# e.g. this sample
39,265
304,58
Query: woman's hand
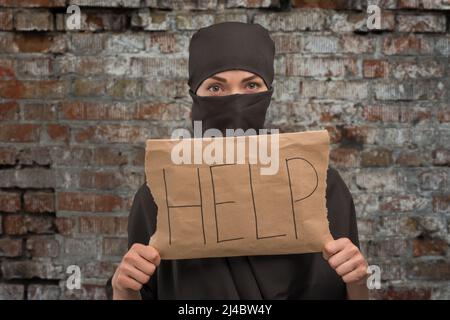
348,262
135,270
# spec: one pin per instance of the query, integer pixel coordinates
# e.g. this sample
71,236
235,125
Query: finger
342,256
334,246
136,274
356,275
143,265
129,283
149,253
348,266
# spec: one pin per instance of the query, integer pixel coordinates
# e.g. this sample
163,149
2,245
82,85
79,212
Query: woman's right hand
135,270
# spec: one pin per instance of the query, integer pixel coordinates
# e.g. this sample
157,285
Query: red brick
14,225
109,156
429,247
10,247
35,67
441,157
115,246
344,157
402,293
43,292
12,291
58,132
357,44
34,155
7,44
39,42
39,111
80,110
121,226
6,20
85,134
40,224
375,68
98,225
9,201
443,115
84,65
87,202
7,70
431,270
9,111
33,177
11,89
138,157
33,3
412,158
335,134
339,89
19,132
87,43
113,133
403,203
124,88
379,157
89,87
29,269
99,21
441,203
45,89
100,180
395,113
413,69
421,23
87,292
407,45
7,155
323,4
393,247
160,111
66,226
320,67
356,135
295,20
21,224
433,180
43,247
39,202
33,20
408,4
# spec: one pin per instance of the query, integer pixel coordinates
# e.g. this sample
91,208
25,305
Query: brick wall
77,106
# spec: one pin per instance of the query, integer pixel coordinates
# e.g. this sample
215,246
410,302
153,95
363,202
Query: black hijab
295,276
231,46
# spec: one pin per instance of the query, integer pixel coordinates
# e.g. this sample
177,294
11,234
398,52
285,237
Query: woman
230,79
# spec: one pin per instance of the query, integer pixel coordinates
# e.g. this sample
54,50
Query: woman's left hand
346,259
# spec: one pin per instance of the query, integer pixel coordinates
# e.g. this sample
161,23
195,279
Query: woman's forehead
234,74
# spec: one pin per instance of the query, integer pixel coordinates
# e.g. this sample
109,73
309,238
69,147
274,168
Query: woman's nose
236,90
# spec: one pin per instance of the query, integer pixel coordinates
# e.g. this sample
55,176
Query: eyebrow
225,80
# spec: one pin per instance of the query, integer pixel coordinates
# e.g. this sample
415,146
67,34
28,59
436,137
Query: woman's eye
214,88
253,85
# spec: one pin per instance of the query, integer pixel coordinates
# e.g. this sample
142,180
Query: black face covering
231,46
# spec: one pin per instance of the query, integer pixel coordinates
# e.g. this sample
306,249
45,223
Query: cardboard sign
229,207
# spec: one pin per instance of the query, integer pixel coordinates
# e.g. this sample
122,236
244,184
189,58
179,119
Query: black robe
292,276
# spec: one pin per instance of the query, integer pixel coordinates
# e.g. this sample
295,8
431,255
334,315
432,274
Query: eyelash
216,84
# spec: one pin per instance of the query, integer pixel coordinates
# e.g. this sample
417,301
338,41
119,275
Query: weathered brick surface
77,106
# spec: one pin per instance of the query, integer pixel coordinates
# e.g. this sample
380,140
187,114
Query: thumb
326,252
